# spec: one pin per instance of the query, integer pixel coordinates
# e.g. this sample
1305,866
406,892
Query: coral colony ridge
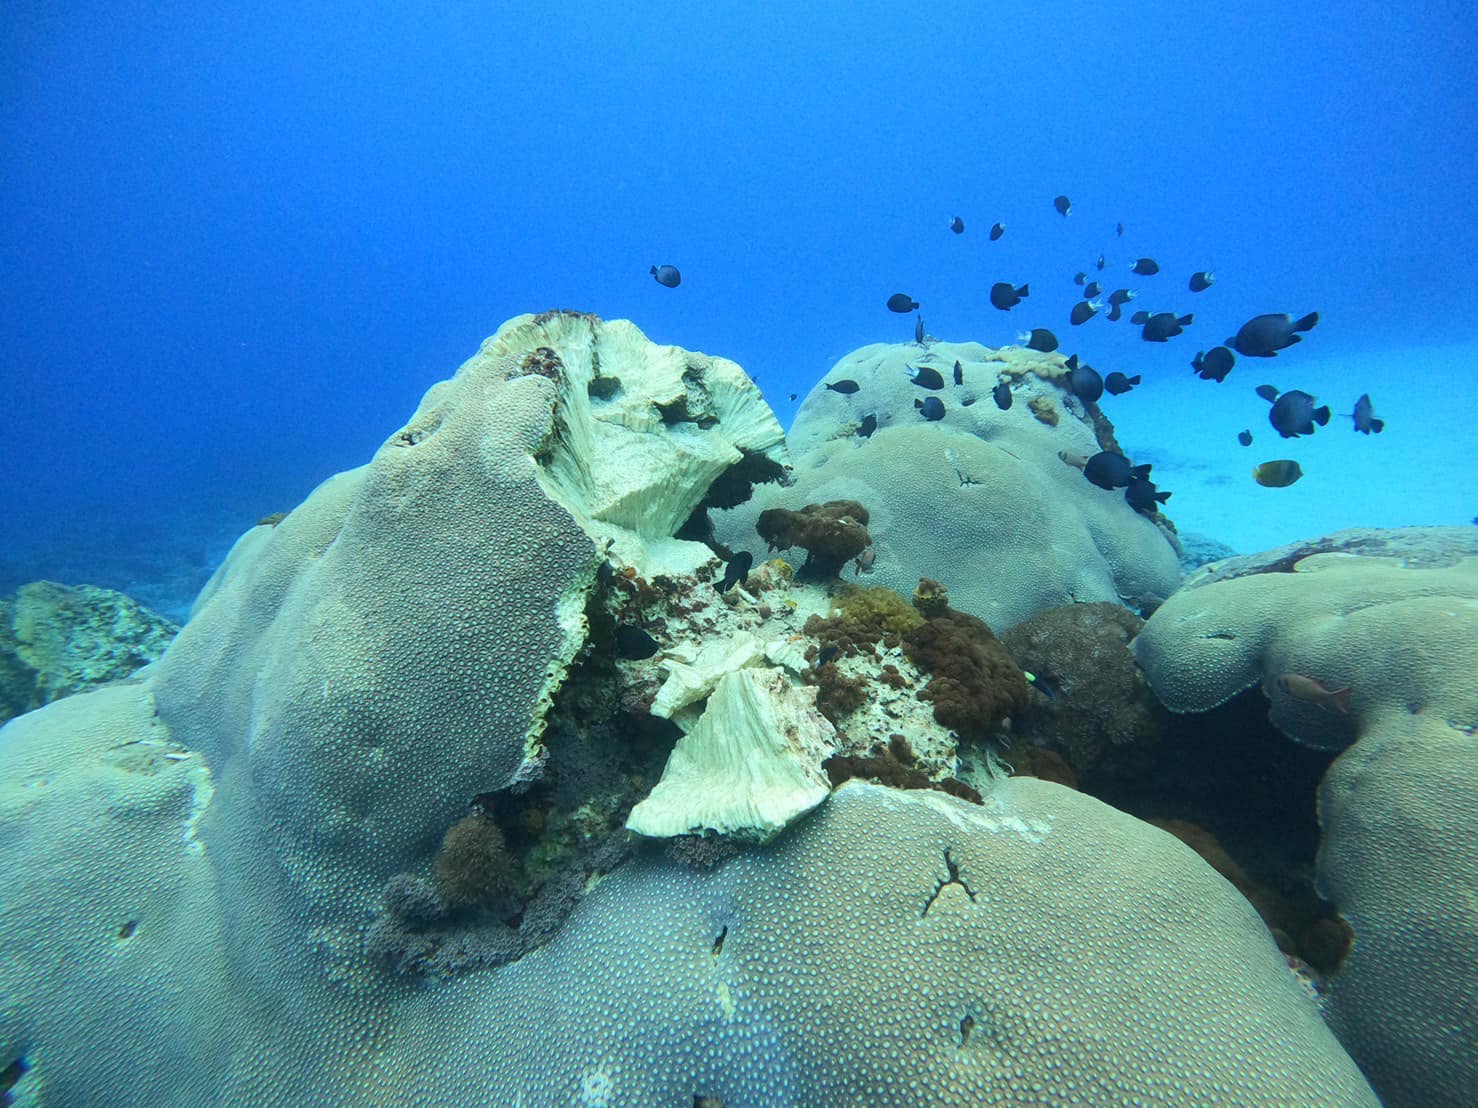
597,743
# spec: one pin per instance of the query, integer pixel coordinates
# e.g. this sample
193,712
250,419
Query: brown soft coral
973,682
473,865
830,533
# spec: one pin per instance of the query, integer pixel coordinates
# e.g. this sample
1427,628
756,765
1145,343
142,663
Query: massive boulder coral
900,948
357,674
1393,615
982,500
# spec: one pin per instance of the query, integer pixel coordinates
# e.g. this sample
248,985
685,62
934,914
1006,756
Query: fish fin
1141,471
653,271
1133,380
1095,304
1072,361
1307,322
1321,415
917,403
1377,425
1340,698
1186,319
1024,290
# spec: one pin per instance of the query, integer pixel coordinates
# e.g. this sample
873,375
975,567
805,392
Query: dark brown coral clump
473,865
1090,702
831,534
973,682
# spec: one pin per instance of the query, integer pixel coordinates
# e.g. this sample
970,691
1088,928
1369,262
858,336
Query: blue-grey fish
959,373
902,303
996,231
667,276
1091,290
1063,205
1146,267
1365,417
1202,281
868,425
1143,496
1264,335
1244,437
846,386
1117,384
918,330
1002,395
957,225
1085,383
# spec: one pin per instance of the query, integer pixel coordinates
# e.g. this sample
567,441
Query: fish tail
1340,698
1307,322
1321,415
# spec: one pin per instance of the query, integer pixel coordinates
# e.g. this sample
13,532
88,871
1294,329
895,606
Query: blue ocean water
238,242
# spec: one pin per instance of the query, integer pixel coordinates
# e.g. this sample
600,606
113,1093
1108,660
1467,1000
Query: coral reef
1089,699
981,500
56,640
831,534
973,683
1394,616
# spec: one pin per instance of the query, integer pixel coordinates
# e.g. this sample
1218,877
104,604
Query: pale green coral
1394,616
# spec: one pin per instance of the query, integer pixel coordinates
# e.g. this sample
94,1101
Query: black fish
1080,278
868,425
792,398
1215,364
1119,230
1244,437
1100,261
1365,418
1085,383
1002,395
925,377
1146,267
1294,414
1083,311
959,373
1141,316
1163,326
1202,281
1114,313
1143,497
667,276
965,403
827,653
902,303
1267,392
957,225
931,408
918,330
1071,361
1063,205
996,231
1117,384
1005,297
1040,339
1120,297
634,643
1263,336
1110,470
1092,289
736,572
846,386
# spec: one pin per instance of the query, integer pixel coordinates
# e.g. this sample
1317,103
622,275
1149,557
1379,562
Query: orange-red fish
1311,692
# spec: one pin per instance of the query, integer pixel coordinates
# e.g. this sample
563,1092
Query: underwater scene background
889,609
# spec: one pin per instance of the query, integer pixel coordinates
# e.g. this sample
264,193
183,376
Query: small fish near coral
736,572
902,303
1277,474
1005,296
1312,692
925,377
